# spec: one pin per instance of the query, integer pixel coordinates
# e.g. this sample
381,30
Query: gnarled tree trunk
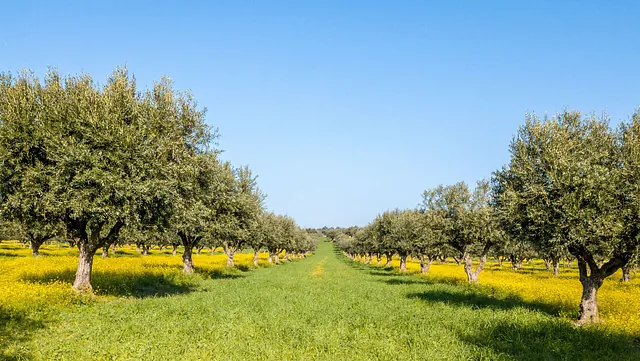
187,260
88,246
175,249
425,264
472,276
35,245
403,263
556,266
626,273
82,282
389,258
230,252
255,257
105,251
589,302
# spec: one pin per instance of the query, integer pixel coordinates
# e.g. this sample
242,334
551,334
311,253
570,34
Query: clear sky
347,108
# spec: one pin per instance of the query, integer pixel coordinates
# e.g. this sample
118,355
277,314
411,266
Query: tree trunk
255,257
145,249
424,266
589,302
175,250
35,247
105,251
82,282
187,260
626,273
547,264
472,276
499,261
556,266
270,259
458,261
277,257
403,263
138,248
229,252
379,258
389,257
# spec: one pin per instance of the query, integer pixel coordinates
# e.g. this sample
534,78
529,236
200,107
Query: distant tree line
98,165
571,191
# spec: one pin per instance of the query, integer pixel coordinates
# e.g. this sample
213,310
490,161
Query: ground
323,307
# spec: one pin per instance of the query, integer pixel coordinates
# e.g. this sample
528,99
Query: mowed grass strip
353,312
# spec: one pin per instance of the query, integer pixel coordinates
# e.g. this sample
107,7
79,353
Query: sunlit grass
29,284
619,302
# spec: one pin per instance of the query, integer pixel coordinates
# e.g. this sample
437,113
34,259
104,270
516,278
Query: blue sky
347,108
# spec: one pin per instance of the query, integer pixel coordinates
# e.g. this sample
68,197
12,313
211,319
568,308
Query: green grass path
325,307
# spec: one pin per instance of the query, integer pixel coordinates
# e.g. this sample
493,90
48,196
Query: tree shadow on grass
468,297
551,340
16,328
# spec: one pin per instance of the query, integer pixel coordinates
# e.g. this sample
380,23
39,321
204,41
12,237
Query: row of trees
98,164
571,189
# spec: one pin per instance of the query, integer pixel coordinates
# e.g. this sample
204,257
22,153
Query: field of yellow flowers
33,284
619,302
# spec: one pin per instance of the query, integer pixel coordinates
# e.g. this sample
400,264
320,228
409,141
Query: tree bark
389,257
458,261
229,251
547,264
378,258
187,256
472,276
82,282
277,257
187,260
145,249
589,301
556,266
403,263
35,245
424,266
175,250
255,257
626,273
105,251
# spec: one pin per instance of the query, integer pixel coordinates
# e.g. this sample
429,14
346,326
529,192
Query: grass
559,296
325,307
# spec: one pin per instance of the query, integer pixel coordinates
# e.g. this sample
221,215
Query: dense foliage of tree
572,184
105,164
570,191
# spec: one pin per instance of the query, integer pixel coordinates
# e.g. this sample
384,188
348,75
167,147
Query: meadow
534,284
323,307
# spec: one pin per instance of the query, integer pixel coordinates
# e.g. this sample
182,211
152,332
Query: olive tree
571,183
238,216
468,222
104,153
